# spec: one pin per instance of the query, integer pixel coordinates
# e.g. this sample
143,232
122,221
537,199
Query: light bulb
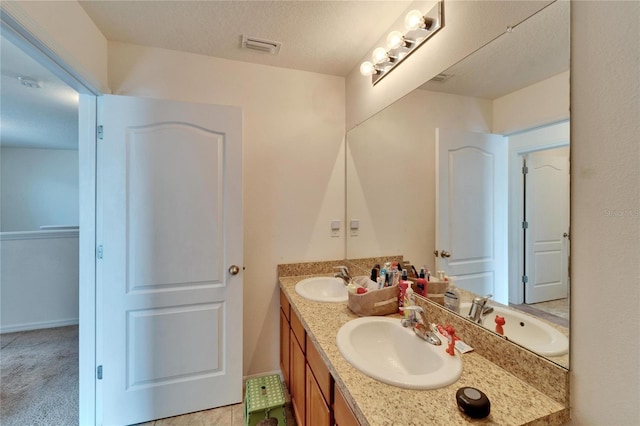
379,55
395,39
367,69
414,20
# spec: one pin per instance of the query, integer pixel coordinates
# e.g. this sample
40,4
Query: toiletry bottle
421,283
374,273
395,276
409,300
403,285
452,299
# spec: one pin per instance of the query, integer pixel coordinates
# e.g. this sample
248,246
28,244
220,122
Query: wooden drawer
342,414
320,370
284,304
298,330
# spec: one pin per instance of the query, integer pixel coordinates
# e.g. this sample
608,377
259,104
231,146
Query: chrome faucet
479,309
417,320
343,272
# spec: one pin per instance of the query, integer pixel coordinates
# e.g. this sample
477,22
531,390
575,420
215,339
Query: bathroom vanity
524,388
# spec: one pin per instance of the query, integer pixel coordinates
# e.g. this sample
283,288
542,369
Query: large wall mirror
469,174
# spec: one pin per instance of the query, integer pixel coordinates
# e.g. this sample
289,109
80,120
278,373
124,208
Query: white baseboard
38,325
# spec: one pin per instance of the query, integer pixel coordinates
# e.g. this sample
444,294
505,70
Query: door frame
553,135
22,34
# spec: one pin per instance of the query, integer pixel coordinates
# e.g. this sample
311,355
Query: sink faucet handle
342,269
414,308
413,314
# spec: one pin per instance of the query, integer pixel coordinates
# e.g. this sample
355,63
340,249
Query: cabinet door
318,413
319,370
341,411
284,348
297,380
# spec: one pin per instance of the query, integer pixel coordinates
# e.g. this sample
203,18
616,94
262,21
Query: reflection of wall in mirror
391,164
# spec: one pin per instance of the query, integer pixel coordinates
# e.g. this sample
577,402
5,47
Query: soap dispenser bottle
403,285
452,298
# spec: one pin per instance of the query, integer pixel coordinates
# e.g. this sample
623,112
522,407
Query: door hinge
99,252
100,132
99,372
525,224
525,279
525,170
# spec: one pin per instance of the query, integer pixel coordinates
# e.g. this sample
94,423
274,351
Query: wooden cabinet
320,371
297,371
342,414
307,376
285,351
318,413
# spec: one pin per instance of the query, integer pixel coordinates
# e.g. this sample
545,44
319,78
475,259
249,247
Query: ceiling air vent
441,78
261,45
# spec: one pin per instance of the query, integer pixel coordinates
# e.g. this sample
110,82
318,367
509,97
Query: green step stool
264,398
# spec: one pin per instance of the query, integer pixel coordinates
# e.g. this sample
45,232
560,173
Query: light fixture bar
420,27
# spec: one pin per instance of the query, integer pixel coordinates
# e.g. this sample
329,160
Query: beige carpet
39,377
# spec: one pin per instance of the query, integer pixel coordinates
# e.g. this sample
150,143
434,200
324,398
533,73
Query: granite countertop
513,402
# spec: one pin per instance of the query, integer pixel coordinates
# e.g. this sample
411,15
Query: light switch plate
354,227
335,228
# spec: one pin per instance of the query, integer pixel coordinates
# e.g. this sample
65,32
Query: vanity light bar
399,46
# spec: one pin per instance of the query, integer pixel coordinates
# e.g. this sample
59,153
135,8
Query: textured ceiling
34,118
328,37
535,50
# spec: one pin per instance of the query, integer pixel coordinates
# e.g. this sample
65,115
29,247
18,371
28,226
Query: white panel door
170,226
471,216
547,215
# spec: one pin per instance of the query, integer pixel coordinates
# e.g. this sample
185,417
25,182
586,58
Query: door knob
444,253
566,235
233,270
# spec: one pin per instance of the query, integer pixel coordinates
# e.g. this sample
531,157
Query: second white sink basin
525,330
323,289
384,350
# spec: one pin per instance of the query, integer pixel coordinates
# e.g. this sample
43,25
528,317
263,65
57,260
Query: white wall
65,29
293,124
39,280
39,187
391,169
541,103
468,26
605,212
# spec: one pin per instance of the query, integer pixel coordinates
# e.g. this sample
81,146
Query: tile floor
556,311
231,415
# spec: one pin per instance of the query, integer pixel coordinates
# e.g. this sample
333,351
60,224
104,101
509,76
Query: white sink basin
384,350
525,330
323,289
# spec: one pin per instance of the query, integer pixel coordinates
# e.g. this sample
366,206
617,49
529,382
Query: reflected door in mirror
547,217
471,217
